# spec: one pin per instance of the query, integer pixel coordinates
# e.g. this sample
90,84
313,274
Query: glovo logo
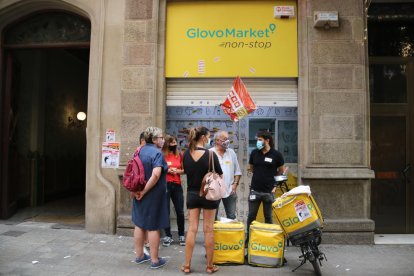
255,246
225,246
293,220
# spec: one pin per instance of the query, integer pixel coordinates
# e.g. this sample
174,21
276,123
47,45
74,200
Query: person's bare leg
193,219
154,241
208,225
139,236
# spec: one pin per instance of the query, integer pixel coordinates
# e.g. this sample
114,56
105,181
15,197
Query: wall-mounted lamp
78,122
81,116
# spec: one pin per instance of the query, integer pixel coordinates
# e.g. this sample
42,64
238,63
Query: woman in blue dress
149,209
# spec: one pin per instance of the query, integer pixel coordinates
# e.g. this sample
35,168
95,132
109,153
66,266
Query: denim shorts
194,200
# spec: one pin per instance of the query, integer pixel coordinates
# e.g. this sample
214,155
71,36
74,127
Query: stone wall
139,90
334,119
333,108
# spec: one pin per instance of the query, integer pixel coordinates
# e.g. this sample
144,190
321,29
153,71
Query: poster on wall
110,155
110,135
231,38
180,129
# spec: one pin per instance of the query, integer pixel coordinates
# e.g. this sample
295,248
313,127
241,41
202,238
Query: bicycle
308,241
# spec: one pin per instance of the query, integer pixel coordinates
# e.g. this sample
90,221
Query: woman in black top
265,162
195,167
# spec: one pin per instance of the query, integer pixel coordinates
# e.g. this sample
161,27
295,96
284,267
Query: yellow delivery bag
266,245
297,213
228,243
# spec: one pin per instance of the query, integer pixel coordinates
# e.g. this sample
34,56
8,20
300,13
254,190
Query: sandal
212,269
186,269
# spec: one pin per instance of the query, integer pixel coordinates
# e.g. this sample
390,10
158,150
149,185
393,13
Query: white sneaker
146,251
166,241
181,239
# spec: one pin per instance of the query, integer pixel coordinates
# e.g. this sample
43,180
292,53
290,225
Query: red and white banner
238,103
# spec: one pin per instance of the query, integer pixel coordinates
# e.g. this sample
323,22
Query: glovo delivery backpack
228,243
266,245
296,211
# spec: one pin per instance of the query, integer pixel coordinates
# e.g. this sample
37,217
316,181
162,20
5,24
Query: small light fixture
81,116
326,19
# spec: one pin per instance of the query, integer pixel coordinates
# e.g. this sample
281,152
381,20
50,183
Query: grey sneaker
161,262
167,241
143,259
181,239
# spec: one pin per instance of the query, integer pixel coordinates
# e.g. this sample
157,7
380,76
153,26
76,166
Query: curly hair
267,136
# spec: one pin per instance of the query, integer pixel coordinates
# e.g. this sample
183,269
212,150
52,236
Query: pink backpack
134,175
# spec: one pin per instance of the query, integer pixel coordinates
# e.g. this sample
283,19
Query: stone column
334,119
139,96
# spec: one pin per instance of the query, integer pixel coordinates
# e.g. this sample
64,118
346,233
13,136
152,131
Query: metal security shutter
208,92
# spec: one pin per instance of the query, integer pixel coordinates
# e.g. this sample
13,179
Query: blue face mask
206,145
259,145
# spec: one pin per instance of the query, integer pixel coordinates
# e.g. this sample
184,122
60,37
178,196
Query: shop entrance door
392,144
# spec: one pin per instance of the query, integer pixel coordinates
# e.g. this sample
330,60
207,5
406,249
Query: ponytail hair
267,136
194,135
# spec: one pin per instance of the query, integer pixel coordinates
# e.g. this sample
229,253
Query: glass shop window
284,132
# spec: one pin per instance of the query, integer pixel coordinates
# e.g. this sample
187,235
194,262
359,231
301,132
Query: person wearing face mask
174,188
195,162
231,171
265,163
149,207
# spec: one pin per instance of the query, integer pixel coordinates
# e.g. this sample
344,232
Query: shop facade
317,103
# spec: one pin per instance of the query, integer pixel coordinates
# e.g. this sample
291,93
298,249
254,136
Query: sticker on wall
110,135
201,66
110,154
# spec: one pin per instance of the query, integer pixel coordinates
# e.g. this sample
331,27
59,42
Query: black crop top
195,171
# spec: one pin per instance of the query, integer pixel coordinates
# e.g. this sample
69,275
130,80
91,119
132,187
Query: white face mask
225,144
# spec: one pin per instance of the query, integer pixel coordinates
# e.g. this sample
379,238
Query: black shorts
194,200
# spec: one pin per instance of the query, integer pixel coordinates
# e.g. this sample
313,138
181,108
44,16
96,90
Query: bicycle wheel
316,267
312,258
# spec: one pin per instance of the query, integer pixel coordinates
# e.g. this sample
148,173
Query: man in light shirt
231,171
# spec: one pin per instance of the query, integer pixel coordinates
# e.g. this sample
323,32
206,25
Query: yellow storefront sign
230,38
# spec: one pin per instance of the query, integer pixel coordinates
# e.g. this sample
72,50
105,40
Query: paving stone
114,257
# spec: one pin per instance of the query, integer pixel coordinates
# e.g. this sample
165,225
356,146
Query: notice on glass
110,154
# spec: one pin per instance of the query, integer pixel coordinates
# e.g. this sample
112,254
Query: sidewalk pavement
38,248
